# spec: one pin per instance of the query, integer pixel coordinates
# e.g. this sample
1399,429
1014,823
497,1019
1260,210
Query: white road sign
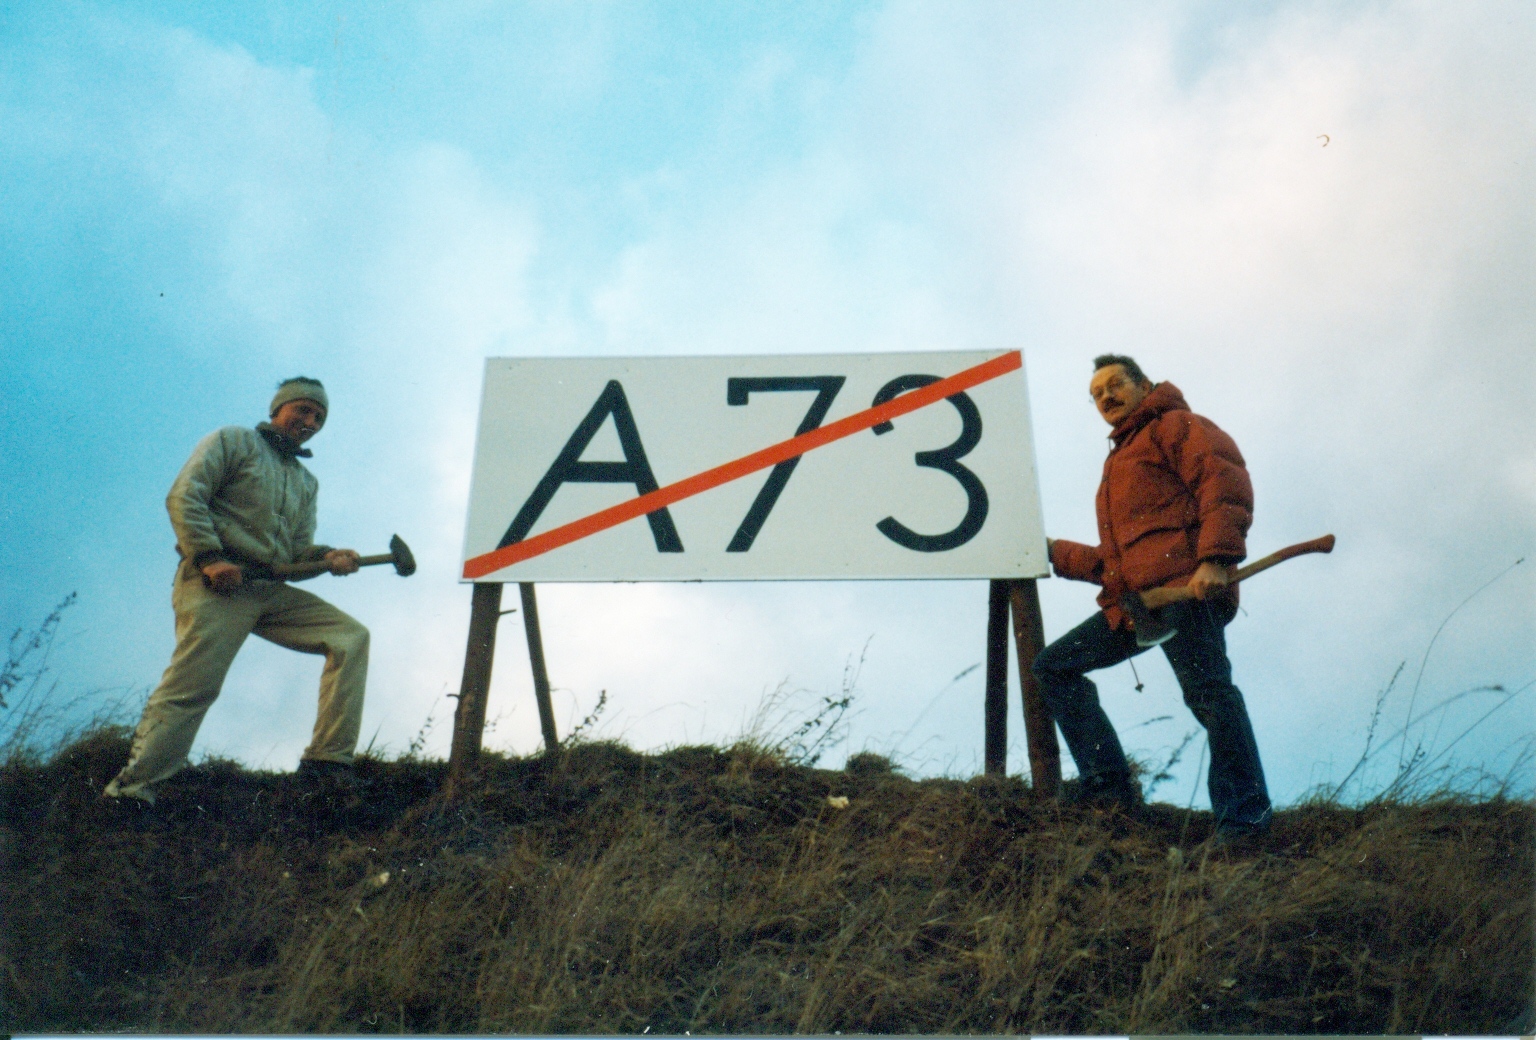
729,468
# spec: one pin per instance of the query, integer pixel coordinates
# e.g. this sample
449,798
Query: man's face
299,420
1116,394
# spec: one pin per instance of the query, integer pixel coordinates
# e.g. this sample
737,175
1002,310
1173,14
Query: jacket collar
1165,397
281,444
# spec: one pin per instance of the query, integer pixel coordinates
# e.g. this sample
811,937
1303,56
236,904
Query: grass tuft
743,890
596,889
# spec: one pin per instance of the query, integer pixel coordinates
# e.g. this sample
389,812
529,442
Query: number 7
736,390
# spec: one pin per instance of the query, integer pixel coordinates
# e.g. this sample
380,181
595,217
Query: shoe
1105,791
134,792
1241,837
333,774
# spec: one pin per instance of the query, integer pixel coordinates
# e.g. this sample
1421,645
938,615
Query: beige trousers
210,629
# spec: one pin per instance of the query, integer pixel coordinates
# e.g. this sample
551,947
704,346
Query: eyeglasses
1116,383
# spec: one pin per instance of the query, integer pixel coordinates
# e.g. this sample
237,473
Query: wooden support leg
536,659
995,741
475,687
1039,730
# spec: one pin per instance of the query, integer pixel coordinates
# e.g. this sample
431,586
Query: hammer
1150,631
399,554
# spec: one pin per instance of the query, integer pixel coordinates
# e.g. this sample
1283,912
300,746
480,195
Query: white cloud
390,269
1344,304
1358,315
800,260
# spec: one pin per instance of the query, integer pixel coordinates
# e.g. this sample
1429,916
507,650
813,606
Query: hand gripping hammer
399,554
1141,606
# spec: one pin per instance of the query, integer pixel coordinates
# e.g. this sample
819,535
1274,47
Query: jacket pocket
1156,556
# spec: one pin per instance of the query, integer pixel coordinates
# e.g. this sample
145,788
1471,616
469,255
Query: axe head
405,563
1149,630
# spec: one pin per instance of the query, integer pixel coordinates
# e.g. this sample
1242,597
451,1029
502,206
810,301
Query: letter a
569,469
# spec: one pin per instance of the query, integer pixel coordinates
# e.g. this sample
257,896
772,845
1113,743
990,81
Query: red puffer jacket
1174,494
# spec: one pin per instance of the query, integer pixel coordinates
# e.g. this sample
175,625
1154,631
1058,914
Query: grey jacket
245,497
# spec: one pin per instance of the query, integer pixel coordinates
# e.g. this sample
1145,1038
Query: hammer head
1149,630
405,563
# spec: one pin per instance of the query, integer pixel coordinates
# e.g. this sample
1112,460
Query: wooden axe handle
1155,598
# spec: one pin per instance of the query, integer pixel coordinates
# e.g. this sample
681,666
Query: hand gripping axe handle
1150,631
399,554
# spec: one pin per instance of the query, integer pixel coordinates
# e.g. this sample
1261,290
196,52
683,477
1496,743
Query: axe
399,554
1150,631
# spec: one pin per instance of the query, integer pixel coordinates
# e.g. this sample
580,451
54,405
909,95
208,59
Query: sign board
800,466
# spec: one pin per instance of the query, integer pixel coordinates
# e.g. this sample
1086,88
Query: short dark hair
1132,369
301,379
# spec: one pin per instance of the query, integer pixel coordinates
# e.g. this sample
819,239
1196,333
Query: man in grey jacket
242,503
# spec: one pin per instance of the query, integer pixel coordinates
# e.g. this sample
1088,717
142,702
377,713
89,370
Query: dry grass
599,890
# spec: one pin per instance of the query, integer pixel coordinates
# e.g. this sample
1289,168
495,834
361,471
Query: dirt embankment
706,890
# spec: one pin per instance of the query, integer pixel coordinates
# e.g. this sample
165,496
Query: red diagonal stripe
905,404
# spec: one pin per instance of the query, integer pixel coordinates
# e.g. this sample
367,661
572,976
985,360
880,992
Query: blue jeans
1198,655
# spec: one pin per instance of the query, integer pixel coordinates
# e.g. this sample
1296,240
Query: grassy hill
708,890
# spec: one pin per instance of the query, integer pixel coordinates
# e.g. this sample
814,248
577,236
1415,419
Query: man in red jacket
1174,506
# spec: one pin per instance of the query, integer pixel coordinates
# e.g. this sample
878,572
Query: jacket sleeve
1077,561
1208,462
214,458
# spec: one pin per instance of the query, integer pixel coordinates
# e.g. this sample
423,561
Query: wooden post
1039,730
475,687
536,658
995,741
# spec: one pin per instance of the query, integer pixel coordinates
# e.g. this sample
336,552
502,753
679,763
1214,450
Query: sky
1318,220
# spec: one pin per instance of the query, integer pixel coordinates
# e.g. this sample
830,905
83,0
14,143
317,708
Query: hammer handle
1154,598
310,568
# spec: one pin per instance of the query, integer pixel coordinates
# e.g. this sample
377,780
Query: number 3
947,460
